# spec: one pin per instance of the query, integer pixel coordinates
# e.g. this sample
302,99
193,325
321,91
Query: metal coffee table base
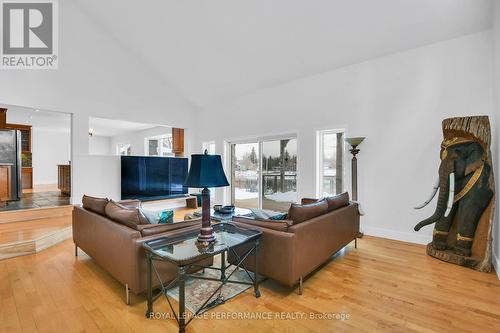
180,317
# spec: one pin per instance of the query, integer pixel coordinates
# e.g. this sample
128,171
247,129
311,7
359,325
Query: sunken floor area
383,286
38,200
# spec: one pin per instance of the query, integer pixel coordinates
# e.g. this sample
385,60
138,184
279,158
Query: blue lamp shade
206,171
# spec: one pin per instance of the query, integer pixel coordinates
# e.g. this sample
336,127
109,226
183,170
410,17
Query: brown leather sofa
293,248
112,234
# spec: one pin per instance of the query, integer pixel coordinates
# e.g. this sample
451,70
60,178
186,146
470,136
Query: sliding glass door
264,174
279,174
245,174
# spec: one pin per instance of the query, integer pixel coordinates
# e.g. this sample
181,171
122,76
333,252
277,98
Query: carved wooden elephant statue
464,193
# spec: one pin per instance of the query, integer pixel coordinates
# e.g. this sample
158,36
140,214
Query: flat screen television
153,178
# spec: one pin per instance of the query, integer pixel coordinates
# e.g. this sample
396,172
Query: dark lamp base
206,238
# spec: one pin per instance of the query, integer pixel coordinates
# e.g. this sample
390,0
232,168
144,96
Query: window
330,145
123,149
264,174
158,145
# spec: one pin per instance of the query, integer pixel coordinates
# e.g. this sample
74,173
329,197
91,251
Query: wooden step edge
35,214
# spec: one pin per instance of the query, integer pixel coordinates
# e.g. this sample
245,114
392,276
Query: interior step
35,214
27,237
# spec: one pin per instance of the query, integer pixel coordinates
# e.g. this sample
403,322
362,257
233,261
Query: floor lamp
354,143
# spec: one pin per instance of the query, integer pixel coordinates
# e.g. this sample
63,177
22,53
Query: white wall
96,77
49,149
136,139
100,145
397,102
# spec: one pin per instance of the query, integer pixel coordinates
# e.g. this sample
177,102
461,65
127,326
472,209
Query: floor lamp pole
354,172
354,142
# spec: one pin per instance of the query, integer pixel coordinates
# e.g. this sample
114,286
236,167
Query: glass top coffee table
183,251
221,217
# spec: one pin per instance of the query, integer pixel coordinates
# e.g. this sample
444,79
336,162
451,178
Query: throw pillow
266,214
278,217
96,205
159,217
131,217
300,213
338,201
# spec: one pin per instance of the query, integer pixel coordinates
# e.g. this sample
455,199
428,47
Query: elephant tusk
451,195
433,194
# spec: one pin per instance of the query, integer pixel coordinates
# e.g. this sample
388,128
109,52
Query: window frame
229,194
157,137
119,145
320,159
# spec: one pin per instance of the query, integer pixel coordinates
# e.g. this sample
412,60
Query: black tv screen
153,178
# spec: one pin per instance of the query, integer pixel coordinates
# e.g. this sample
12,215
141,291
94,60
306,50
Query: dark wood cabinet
3,118
27,178
64,179
5,184
178,141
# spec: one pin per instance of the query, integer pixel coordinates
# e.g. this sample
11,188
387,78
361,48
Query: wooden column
178,141
3,118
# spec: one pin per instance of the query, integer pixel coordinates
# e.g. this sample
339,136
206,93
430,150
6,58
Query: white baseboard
414,238
496,264
411,237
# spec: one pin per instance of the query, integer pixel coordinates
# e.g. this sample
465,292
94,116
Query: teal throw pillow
278,217
159,217
264,214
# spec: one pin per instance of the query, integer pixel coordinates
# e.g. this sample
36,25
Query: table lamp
206,171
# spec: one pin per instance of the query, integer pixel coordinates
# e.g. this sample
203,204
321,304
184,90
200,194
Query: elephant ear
475,158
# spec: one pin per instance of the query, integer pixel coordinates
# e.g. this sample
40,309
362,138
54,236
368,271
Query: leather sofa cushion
96,205
306,201
153,229
300,213
130,217
338,201
334,202
279,225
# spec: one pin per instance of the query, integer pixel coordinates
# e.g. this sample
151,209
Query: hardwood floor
22,238
384,286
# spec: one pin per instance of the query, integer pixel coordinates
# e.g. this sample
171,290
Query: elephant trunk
441,206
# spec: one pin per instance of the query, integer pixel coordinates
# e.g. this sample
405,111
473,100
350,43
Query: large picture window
264,174
330,172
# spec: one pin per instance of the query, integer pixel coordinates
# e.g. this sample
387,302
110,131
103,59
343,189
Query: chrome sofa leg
300,286
76,250
127,294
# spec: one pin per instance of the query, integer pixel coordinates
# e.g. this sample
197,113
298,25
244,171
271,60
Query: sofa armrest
324,235
279,225
166,270
277,255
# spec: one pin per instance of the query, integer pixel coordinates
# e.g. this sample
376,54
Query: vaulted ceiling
211,50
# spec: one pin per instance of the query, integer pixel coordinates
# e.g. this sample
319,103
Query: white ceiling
110,127
216,49
41,119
